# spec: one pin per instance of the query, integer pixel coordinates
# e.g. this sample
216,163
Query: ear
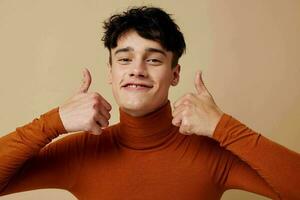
109,74
175,72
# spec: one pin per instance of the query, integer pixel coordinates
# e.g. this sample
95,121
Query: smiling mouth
137,86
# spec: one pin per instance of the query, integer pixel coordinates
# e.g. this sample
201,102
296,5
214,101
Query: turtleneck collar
149,131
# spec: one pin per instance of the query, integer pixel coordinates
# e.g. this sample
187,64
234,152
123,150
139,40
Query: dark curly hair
150,23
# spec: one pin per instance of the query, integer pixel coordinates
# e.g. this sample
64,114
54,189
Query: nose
138,69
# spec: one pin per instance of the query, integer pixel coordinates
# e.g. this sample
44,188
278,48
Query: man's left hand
197,113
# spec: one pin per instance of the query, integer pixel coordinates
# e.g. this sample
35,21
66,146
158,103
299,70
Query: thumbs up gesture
196,113
85,111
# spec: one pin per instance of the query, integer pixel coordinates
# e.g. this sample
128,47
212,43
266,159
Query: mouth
137,87
133,85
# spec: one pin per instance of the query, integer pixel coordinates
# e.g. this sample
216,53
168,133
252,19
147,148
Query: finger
178,110
101,120
86,81
103,101
106,104
176,121
183,129
184,99
96,130
199,84
177,103
104,112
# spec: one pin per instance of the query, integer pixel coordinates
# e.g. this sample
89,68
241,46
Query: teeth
134,86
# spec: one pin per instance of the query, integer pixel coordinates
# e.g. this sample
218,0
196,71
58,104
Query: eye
124,61
154,61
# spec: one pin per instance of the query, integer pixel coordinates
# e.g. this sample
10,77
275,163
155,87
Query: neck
148,131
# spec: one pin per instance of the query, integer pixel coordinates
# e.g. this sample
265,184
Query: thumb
199,84
86,81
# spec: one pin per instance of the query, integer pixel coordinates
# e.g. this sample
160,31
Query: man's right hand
85,111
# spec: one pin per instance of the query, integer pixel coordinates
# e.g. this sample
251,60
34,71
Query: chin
135,104
136,107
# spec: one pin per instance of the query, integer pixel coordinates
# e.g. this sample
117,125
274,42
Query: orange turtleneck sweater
146,158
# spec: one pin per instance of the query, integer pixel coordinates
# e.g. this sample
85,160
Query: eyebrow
150,49
126,49
156,50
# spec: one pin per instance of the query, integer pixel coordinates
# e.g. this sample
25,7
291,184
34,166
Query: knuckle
186,102
95,95
94,105
189,95
95,102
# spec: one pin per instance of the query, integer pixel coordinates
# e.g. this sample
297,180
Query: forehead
132,41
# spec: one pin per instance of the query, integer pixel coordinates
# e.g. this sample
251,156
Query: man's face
141,74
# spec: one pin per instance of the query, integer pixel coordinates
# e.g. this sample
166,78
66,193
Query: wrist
53,122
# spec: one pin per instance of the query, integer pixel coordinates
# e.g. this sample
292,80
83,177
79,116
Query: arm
267,165
26,142
27,163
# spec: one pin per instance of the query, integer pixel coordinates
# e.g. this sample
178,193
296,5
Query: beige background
248,51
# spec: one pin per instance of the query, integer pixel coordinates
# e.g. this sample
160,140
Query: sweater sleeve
25,161
277,168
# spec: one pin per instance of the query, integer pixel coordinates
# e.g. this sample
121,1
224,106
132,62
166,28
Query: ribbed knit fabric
146,158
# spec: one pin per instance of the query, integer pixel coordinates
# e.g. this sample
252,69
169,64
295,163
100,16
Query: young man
193,152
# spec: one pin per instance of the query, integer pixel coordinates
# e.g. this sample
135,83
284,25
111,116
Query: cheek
164,77
164,83
115,80
116,76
